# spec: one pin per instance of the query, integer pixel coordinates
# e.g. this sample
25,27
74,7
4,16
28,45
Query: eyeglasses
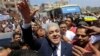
77,35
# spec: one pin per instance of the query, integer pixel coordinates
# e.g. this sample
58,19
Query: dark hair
16,34
24,44
62,22
82,23
87,31
12,46
15,46
70,18
24,53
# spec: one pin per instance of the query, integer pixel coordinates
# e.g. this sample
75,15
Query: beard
81,43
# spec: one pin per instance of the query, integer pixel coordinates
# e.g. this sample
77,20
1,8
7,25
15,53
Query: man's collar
58,46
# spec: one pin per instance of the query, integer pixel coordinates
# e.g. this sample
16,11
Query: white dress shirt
58,49
25,26
70,35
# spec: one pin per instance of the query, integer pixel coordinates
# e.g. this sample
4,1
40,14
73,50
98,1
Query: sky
81,3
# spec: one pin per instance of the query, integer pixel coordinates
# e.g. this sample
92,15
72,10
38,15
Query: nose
54,34
80,37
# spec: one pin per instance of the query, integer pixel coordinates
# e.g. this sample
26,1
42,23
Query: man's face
41,32
82,37
17,38
54,35
68,21
35,27
63,28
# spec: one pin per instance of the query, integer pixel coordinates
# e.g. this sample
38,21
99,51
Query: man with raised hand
48,46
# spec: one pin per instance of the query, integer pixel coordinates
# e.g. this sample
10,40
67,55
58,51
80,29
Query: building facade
9,4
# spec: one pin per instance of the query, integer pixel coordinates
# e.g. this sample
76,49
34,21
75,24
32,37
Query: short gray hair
51,24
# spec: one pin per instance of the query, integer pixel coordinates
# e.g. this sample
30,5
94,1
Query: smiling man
82,37
48,46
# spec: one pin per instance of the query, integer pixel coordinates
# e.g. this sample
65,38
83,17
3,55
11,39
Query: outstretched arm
26,28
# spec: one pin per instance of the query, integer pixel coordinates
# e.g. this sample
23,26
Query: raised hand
78,51
25,11
93,28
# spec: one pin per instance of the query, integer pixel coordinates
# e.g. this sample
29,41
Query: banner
71,9
4,17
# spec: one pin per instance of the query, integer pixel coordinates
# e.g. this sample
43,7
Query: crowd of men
45,36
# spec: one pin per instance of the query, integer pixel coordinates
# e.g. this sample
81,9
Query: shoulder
66,48
68,31
66,44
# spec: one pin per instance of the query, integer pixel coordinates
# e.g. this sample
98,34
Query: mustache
80,43
57,35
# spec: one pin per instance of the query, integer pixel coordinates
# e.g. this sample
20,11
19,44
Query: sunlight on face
54,35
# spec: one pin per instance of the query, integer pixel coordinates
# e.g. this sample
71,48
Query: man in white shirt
67,35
